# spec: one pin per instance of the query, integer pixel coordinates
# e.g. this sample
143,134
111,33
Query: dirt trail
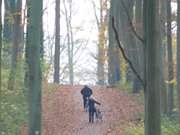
63,113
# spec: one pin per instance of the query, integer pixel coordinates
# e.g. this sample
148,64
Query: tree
126,35
138,49
163,90
17,41
101,21
178,57
34,69
0,42
152,66
151,80
113,50
0,54
170,60
57,43
7,30
70,40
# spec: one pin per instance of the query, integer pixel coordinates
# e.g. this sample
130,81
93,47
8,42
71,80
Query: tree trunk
70,42
126,35
34,68
7,30
178,58
152,67
26,75
139,59
17,43
57,43
102,29
71,61
170,60
163,90
0,56
113,50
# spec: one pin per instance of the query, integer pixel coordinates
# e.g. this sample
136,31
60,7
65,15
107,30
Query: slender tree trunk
170,60
163,90
126,35
113,50
42,45
26,75
138,60
17,43
57,43
178,58
102,29
70,42
7,30
71,60
152,71
34,68
0,42
0,57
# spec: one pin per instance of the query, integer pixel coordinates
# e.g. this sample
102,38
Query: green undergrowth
123,85
168,127
13,105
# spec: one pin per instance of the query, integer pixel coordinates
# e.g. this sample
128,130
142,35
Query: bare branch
96,16
130,22
124,55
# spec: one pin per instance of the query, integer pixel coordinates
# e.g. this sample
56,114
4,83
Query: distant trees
152,60
129,35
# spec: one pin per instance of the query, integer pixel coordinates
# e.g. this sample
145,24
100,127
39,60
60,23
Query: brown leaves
63,112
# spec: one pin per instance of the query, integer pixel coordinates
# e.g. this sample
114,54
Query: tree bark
70,42
170,61
34,68
57,43
102,29
113,50
126,35
139,52
17,42
0,58
163,90
7,30
152,67
178,58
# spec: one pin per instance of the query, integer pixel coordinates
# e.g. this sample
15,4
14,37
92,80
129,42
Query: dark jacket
92,103
86,92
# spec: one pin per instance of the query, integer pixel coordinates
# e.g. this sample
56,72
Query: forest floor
63,112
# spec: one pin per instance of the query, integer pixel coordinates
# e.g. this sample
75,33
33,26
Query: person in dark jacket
86,93
92,109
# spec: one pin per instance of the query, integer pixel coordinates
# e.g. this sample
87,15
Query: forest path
63,113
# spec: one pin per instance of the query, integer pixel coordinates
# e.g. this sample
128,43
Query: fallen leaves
63,112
